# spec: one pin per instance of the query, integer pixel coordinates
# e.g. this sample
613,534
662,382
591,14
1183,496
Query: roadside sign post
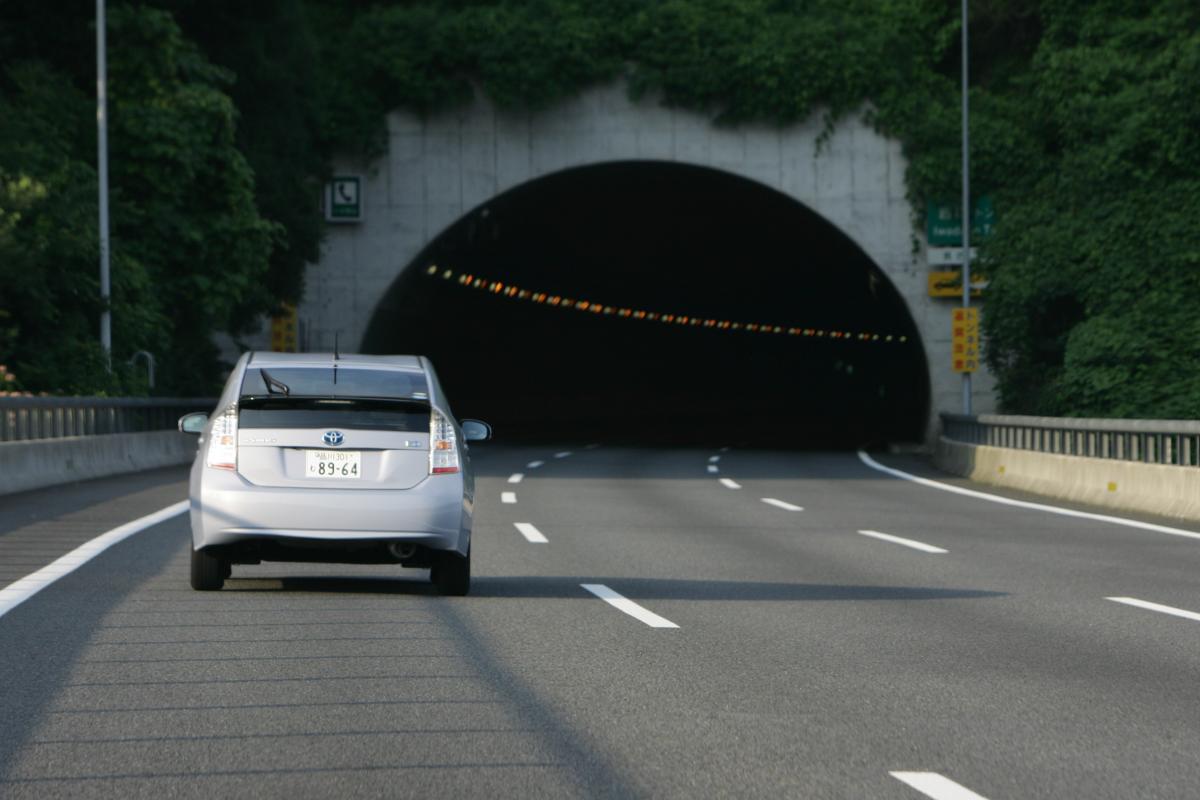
964,339
966,221
343,199
283,330
102,175
948,283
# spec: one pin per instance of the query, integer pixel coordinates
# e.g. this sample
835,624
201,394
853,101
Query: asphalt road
745,648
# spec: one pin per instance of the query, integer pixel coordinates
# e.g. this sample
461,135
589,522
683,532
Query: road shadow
54,502
42,638
340,584
568,586
690,589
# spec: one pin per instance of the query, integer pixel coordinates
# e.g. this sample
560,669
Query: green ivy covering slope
1084,115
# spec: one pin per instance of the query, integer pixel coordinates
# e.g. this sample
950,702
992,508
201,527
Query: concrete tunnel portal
793,336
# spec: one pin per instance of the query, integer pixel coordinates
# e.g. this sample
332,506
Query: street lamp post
102,170
966,201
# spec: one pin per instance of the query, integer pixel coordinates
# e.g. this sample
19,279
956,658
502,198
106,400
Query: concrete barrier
1161,489
48,462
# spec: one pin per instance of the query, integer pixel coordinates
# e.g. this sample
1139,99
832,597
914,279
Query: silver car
332,458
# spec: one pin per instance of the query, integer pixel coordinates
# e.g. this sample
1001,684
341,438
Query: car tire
451,574
208,571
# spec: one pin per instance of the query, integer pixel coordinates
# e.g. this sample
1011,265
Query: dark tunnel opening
839,363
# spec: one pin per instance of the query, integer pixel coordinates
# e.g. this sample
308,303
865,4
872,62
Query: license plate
341,464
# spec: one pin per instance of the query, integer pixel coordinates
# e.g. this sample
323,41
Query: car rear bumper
227,509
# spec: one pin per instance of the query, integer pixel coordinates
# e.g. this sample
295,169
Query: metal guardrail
28,418
1151,441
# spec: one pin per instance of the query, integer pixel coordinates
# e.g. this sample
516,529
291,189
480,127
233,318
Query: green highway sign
943,222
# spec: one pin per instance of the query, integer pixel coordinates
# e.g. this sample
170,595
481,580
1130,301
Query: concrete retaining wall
1126,485
48,462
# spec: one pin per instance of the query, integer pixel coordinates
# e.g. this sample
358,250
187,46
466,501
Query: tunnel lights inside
517,293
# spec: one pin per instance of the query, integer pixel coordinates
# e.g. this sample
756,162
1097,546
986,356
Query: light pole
102,147
966,201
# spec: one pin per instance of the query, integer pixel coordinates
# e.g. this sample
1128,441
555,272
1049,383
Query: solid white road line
939,787
631,608
21,590
535,464
915,545
713,459
516,477
728,484
508,497
1175,612
712,468
563,454
1008,501
531,533
771,501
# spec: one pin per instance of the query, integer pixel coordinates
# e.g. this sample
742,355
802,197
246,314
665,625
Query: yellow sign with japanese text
964,340
283,330
948,283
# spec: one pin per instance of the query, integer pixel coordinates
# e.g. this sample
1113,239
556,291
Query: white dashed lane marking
712,468
939,787
915,545
771,501
730,484
516,477
629,607
713,459
530,532
534,464
508,497
1174,612
563,454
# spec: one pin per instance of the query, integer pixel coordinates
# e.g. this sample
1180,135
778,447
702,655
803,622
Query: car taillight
222,441
443,445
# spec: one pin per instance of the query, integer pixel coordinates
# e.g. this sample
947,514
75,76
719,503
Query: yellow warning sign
948,283
283,330
964,340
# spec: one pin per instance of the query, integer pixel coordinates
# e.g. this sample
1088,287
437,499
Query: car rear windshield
331,382
409,416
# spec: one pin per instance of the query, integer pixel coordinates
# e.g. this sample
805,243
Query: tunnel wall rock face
439,168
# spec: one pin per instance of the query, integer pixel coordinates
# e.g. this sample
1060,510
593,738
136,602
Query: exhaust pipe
402,550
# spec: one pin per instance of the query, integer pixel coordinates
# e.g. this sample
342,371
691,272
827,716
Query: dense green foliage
191,251
1097,266
1084,115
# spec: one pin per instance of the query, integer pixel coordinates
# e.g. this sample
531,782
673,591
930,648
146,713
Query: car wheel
451,574
208,571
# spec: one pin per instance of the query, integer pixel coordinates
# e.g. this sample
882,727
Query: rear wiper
274,386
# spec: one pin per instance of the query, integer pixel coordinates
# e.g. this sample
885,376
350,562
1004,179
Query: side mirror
193,423
476,431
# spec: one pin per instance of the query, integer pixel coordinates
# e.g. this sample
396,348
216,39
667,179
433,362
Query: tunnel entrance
659,302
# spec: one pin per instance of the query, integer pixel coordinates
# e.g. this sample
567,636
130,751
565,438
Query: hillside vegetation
224,116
